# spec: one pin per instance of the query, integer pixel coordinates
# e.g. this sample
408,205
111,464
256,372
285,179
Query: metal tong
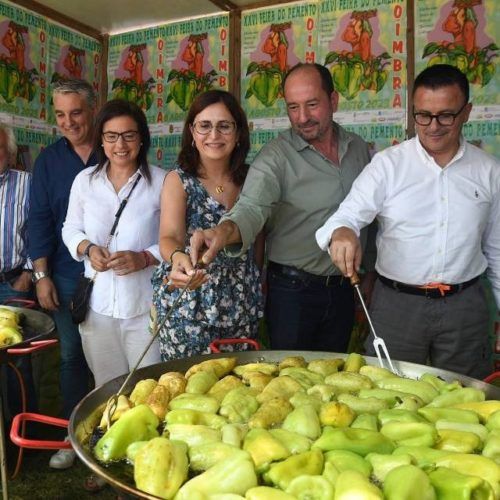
112,403
378,343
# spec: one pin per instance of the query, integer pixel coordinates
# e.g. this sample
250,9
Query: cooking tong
378,342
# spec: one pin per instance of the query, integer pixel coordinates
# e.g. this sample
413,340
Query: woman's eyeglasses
128,136
224,127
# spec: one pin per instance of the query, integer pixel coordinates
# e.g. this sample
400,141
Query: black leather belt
431,292
293,272
10,275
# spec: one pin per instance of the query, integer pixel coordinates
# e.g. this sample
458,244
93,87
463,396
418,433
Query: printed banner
463,33
363,43
164,150
379,136
484,134
162,69
29,145
23,63
72,55
258,139
272,41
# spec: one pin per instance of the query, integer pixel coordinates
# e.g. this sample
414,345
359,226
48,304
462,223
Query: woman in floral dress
224,300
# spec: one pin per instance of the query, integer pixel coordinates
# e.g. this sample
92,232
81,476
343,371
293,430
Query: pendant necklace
219,189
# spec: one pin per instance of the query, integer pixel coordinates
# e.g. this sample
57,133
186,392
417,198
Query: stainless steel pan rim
88,412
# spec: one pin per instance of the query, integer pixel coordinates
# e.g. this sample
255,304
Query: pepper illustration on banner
463,51
73,61
358,69
187,83
266,82
16,80
135,88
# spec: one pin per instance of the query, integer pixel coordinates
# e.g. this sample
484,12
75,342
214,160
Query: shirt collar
3,176
427,157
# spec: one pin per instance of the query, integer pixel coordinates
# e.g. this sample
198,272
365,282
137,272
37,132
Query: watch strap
38,275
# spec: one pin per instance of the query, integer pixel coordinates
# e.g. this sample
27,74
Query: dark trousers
304,314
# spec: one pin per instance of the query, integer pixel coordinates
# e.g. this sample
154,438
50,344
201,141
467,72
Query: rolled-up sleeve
72,231
491,247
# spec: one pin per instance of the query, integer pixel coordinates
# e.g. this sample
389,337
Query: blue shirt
55,169
14,206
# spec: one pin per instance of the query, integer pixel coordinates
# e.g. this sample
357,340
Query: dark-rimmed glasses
444,119
128,136
224,127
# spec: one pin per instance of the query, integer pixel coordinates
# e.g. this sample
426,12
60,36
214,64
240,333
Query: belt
431,291
9,275
293,272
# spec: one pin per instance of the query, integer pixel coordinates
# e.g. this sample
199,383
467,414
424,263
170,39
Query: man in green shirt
291,188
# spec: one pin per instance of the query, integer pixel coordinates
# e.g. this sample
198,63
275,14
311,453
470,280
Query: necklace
219,189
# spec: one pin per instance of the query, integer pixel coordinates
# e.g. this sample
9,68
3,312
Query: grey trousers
450,333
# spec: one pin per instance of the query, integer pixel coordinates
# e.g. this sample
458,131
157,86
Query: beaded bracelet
177,250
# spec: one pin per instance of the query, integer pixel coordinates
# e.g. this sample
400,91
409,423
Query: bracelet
86,252
177,250
147,259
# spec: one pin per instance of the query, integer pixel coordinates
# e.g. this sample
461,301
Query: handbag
80,302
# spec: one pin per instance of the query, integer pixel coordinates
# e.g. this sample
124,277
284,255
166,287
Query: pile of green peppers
314,431
15,82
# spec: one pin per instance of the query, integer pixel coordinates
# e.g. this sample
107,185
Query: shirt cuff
154,250
238,249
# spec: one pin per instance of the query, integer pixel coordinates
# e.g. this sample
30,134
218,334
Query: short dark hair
442,75
189,158
114,109
324,74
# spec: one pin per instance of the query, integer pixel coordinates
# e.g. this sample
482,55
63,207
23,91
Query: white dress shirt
434,224
93,203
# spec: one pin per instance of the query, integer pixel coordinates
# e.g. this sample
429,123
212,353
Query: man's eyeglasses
128,136
444,119
224,127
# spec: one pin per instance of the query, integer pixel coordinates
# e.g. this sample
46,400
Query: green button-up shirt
292,189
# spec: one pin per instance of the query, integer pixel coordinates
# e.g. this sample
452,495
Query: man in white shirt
437,202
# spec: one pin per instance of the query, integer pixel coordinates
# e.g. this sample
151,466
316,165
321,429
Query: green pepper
336,414
204,456
450,414
160,467
239,405
354,362
360,441
450,484
458,441
282,473
303,376
304,421
375,373
132,450
365,421
267,493
295,443
325,367
225,385
347,460
363,405
234,475
191,91
340,77
440,384
301,398
390,396
383,464
399,415
192,435
483,408
323,392
473,465
423,390
13,84
137,424
493,421
410,402
234,434
348,382
491,448
464,395
422,455
478,429
199,402
356,72
201,382
195,417
410,433
283,387
271,413
264,448
4,79
408,482
351,484
311,487
142,390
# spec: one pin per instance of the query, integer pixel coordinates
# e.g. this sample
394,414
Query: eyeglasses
128,136
224,127
444,119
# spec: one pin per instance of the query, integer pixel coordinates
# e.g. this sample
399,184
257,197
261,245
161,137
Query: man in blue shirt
55,273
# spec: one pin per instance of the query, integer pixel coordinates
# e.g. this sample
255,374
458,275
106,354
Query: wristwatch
38,275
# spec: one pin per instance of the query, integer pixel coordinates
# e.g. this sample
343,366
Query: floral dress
228,305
